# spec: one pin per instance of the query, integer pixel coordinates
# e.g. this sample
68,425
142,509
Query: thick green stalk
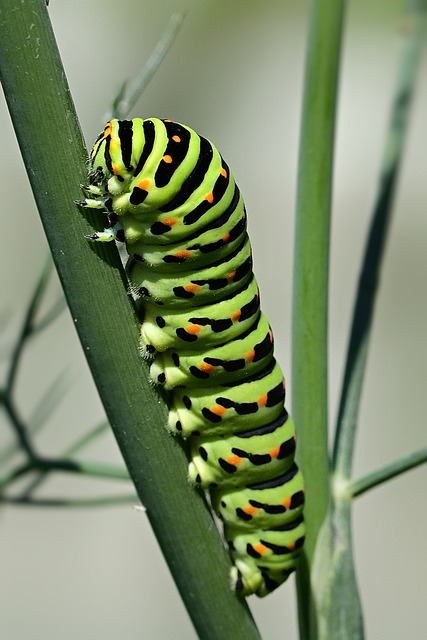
333,578
51,143
310,296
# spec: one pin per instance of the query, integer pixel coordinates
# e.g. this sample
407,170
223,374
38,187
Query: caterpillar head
108,160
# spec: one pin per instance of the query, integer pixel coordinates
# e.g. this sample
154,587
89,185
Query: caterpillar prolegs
172,199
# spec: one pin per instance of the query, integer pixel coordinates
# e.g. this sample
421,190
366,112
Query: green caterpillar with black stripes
172,199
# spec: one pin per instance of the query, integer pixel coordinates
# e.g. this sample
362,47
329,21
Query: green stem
52,396
27,326
310,296
87,438
340,604
6,398
22,437
92,276
134,88
370,273
93,469
53,313
102,501
82,442
49,401
387,472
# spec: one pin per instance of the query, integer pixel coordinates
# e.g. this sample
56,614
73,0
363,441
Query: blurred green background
235,75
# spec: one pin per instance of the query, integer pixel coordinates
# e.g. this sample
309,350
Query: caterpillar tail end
248,579
245,581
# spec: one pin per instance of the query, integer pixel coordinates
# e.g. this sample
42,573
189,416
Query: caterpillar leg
247,579
112,233
115,231
91,203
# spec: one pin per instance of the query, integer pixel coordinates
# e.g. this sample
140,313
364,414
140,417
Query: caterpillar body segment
248,354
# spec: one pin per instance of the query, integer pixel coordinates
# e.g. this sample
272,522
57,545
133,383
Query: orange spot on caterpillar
260,548
291,546
223,172
218,410
230,275
107,129
236,315
194,329
270,333
250,510
176,138
274,452
207,368
209,197
144,184
166,120
225,238
167,159
234,460
262,401
183,254
192,288
116,169
169,221
250,355
287,502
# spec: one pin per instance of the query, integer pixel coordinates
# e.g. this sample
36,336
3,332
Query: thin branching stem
102,501
87,438
387,472
54,312
23,439
133,89
80,444
49,401
335,582
90,469
370,272
27,325
21,431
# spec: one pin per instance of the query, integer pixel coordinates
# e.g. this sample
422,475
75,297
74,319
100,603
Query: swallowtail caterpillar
172,199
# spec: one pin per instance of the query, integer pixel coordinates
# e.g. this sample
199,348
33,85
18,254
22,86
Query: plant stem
134,88
340,605
102,501
310,293
387,472
27,326
91,469
51,143
82,442
370,272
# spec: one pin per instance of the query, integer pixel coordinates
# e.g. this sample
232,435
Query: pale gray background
235,75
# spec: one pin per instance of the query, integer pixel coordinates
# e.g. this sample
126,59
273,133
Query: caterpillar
172,199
